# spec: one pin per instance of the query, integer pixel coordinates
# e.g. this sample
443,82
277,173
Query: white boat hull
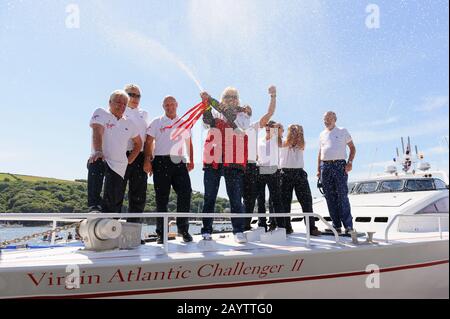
406,270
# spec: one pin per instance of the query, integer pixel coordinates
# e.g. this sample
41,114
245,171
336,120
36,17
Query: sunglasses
138,96
230,97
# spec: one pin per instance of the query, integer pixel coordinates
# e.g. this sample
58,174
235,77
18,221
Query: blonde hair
295,137
227,91
132,86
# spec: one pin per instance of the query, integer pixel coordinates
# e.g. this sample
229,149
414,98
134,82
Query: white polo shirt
333,144
291,157
242,121
115,138
165,144
141,120
252,135
268,151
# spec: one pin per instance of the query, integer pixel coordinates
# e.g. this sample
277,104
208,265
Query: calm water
7,233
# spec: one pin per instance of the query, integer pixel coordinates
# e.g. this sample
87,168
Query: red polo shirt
223,145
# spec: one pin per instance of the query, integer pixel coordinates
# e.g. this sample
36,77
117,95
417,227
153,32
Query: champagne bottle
228,112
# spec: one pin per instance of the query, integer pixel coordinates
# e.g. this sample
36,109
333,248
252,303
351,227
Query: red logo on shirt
109,125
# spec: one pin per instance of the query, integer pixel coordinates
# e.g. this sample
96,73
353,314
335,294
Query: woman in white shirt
294,177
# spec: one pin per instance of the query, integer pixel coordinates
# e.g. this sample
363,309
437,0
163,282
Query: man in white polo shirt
165,159
135,175
333,169
111,133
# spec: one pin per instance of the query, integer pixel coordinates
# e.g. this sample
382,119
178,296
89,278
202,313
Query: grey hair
119,93
168,97
332,114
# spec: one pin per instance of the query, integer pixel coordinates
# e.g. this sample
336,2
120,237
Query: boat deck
223,246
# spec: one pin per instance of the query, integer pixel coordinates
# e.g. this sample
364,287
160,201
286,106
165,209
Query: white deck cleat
369,238
240,238
255,234
276,236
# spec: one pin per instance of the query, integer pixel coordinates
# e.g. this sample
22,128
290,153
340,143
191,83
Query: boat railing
398,216
71,217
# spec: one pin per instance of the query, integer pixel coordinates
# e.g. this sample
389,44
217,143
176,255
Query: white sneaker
207,236
240,238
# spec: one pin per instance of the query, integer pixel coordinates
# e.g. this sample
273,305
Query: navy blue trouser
137,187
234,181
96,174
334,182
167,174
296,179
271,177
113,191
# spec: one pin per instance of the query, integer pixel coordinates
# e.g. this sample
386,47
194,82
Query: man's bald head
169,98
170,106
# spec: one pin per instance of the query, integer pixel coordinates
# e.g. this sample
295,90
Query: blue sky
383,83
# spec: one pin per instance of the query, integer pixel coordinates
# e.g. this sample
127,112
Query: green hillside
27,178
32,194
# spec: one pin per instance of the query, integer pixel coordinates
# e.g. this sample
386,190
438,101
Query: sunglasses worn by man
135,95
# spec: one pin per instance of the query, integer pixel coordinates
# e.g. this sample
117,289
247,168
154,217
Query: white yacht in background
404,254
411,189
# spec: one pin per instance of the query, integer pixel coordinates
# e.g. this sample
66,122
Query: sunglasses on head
230,97
135,95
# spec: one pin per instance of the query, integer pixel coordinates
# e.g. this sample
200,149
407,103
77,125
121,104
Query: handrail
438,216
65,216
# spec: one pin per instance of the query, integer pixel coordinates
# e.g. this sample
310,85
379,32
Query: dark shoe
289,230
272,227
159,240
349,230
315,232
339,231
187,238
95,208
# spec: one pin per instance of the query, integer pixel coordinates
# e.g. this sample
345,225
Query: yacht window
439,206
381,219
442,205
352,187
391,186
439,184
419,185
366,188
429,209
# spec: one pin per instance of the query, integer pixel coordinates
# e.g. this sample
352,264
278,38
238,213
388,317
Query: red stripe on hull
238,284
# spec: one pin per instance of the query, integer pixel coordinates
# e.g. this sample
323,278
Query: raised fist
272,90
